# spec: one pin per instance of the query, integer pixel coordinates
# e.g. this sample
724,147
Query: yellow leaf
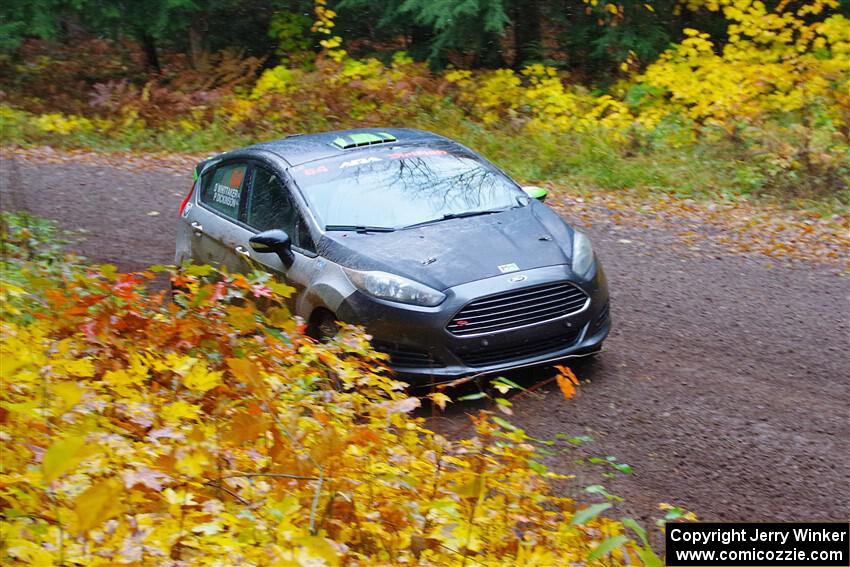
242,318
69,392
82,367
117,378
471,489
180,364
98,504
9,364
62,456
439,399
280,317
29,552
201,378
281,289
193,464
178,411
314,547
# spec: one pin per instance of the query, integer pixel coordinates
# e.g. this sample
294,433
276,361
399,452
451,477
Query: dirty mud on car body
450,265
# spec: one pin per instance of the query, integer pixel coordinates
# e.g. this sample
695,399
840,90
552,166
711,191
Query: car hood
456,251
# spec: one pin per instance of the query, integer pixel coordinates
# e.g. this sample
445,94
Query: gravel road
726,384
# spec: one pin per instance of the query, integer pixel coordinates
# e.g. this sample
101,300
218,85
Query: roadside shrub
206,431
53,77
769,105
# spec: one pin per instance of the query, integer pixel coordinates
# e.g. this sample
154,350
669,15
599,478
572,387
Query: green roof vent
361,139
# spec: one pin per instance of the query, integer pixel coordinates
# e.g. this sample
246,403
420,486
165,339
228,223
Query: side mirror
538,193
274,241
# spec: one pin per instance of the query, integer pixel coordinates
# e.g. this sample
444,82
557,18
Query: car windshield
400,187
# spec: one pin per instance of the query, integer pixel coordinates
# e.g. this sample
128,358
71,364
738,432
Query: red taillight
186,199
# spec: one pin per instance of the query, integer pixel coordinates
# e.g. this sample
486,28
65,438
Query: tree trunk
489,53
149,49
527,34
70,28
419,42
197,44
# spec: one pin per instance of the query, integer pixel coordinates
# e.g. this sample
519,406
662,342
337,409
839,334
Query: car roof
302,148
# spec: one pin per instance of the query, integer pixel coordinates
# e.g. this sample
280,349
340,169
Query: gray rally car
451,266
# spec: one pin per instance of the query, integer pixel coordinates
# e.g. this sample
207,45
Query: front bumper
422,349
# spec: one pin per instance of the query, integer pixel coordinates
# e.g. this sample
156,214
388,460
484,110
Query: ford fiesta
450,265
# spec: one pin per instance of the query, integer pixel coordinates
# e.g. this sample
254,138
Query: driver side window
270,206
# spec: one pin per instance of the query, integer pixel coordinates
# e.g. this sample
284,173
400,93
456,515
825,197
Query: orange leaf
567,373
243,369
567,381
363,436
245,426
566,386
246,372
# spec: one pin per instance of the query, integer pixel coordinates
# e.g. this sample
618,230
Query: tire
322,325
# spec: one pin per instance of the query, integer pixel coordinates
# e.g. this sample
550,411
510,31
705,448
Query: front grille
405,356
512,309
484,356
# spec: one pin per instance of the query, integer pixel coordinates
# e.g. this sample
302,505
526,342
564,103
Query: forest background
728,99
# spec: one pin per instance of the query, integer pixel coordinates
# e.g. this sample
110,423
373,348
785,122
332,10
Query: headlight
394,288
582,254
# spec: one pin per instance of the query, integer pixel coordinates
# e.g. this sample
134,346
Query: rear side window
222,189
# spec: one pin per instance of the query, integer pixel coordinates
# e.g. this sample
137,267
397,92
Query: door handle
241,250
197,227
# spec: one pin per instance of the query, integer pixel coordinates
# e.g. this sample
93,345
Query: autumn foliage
207,431
763,104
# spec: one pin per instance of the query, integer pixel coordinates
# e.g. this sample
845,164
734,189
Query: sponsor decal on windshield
360,161
310,171
315,170
417,153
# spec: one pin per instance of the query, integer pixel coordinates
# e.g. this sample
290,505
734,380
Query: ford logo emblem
517,279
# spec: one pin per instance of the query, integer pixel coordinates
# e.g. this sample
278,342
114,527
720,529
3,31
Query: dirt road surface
726,384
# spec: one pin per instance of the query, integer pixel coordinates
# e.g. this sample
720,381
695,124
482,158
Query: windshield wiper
359,228
449,216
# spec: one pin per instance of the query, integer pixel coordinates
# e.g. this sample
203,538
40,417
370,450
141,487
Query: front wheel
323,325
